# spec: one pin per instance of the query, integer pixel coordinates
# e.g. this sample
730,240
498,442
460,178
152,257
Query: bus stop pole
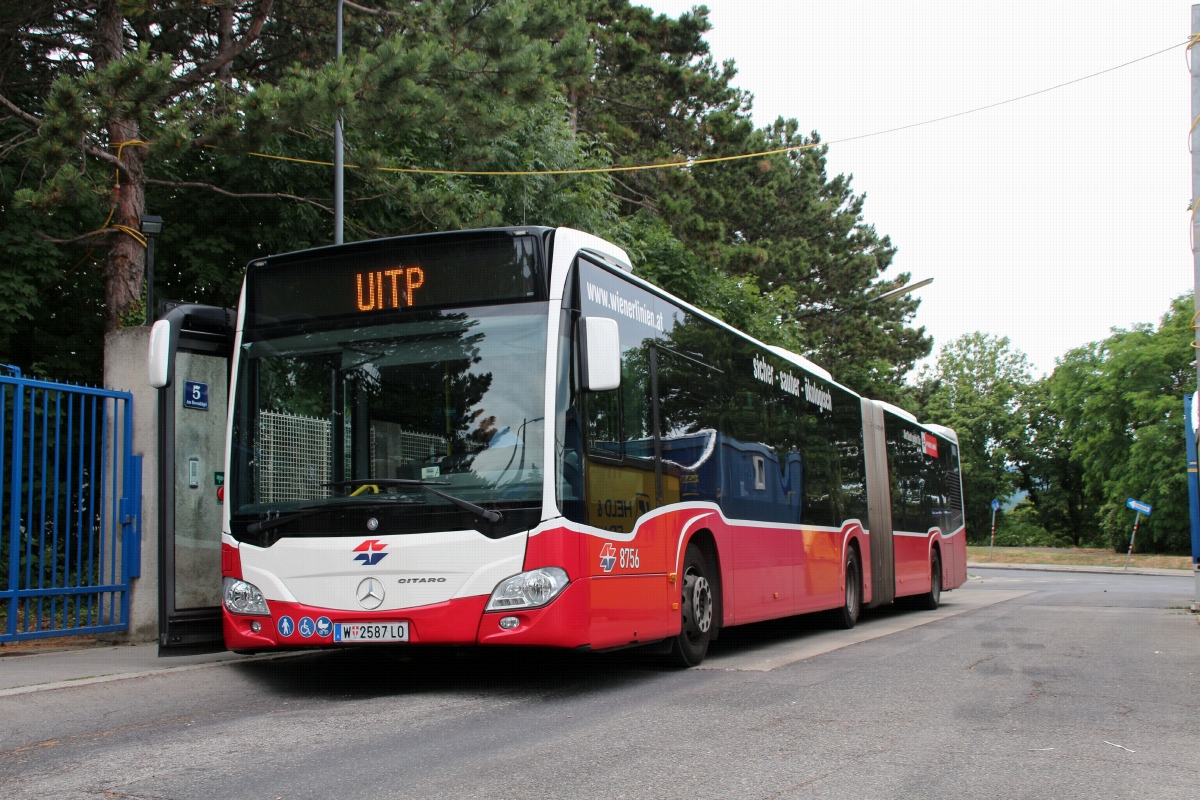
1136,520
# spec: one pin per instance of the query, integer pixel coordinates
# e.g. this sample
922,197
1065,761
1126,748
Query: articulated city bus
504,437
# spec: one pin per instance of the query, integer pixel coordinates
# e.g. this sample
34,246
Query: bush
1020,528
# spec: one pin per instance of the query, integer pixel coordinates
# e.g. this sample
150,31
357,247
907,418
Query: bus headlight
528,589
244,598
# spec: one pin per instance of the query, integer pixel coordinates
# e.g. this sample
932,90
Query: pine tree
108,100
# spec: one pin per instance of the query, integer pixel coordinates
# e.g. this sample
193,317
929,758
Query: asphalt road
1025,684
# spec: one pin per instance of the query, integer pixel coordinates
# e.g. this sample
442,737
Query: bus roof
801,361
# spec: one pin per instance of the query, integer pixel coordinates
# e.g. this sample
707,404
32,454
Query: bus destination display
374,299
393,275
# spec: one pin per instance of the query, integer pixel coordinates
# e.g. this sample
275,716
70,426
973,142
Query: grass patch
1076,557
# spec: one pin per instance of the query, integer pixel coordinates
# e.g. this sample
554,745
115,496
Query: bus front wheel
696,609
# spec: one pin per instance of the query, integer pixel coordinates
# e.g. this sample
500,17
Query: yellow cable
589,170
136,235
699,161
133,233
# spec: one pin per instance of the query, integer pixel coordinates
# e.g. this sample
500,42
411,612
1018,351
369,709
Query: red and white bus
505,437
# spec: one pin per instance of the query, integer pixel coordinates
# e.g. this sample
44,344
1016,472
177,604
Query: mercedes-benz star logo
370,594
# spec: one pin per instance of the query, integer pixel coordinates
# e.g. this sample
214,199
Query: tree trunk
573,110
124,266
225,44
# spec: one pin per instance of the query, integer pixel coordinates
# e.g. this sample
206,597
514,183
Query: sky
1050,220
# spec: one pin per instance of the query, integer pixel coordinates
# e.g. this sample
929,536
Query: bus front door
196,343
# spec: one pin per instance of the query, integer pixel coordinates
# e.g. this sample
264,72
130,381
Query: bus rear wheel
696,611
846,616
933,598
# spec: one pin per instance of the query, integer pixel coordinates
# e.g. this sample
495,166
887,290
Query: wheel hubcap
697,603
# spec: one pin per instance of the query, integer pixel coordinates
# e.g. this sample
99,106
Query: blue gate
70,509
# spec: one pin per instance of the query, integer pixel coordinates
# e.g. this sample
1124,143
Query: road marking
788,649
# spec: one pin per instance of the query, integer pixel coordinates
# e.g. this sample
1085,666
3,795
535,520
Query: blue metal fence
70,509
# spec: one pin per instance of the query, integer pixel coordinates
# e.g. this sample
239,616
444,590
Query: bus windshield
445,400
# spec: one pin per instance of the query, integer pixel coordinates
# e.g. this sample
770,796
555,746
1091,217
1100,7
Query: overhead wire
687,163
683,163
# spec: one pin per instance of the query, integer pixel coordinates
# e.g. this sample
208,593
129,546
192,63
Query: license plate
370,632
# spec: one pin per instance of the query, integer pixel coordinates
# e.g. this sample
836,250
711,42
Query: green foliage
137,94
975,388
790,227
1021,527
1129,436
773,246
1105,426
1045,449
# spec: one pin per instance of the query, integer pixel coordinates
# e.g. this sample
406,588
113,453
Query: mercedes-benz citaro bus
504,437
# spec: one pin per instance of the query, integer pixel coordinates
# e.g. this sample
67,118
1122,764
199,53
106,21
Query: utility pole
1195,135
339,167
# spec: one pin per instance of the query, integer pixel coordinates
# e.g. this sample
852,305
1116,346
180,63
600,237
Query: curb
1180,573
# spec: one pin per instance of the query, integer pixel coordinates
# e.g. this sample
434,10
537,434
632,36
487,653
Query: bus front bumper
561,623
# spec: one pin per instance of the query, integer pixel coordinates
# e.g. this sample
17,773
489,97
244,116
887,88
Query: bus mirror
207,321
600,350
159,361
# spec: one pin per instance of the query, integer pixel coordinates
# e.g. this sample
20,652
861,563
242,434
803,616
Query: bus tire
846,616
696,611
933,598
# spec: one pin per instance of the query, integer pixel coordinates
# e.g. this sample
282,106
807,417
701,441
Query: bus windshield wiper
275,522
426,485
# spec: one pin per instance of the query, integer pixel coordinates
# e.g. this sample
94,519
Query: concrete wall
125,369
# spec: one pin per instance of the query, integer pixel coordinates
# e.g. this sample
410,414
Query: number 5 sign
195,395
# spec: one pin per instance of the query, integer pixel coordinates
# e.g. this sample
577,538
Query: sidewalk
56,668
1183,573
40,670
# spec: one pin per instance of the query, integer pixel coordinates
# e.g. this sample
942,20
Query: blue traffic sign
995,505
1139,506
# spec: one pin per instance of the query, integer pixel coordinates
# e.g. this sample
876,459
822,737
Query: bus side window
636,407
817,449
604,423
